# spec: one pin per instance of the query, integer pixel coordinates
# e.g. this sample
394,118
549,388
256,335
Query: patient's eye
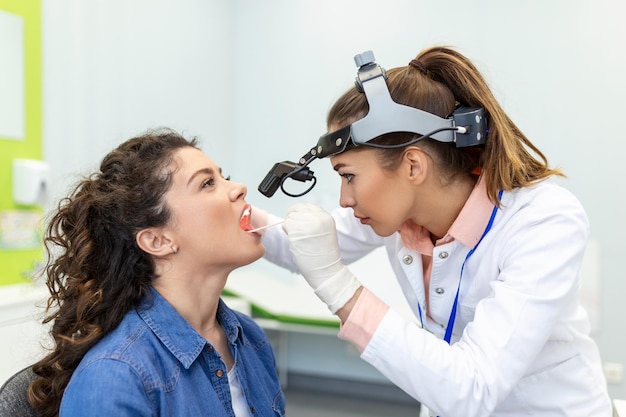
209,182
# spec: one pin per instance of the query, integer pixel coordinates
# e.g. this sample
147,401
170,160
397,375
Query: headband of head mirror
466,127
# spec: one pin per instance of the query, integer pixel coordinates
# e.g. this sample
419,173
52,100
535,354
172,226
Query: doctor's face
380,198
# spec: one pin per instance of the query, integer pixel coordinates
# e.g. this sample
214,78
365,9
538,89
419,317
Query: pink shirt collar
467,228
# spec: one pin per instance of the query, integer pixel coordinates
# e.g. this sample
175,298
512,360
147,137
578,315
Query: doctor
485,245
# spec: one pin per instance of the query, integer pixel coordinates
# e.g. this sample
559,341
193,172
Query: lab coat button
440,290
407,259
443,255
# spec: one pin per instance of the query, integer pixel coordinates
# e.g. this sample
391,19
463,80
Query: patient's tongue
244,222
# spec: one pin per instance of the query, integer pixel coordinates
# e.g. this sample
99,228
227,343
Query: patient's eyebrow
207,171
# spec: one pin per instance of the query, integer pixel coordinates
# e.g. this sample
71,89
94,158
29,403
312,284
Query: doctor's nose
346,200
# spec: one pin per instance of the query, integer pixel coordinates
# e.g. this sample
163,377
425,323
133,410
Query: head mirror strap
387,116
333,143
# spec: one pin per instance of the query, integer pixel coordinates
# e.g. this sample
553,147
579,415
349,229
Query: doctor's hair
95,270
439,80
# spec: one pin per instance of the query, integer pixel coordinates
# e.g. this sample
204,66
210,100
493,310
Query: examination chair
14,395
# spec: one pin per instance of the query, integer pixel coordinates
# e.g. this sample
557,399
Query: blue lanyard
450,326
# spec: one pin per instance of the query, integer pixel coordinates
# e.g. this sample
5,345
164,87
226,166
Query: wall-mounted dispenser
30,181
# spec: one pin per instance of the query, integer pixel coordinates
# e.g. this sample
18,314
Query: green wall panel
15,263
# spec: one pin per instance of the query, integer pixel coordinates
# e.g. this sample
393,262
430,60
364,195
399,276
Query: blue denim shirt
155,364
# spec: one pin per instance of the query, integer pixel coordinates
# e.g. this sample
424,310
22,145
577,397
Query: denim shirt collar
182,340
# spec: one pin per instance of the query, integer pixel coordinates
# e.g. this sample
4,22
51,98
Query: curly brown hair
95,271
440,80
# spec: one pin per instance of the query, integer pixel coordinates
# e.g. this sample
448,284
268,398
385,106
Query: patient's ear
154,242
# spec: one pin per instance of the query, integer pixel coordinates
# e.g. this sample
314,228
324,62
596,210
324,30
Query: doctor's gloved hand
313,244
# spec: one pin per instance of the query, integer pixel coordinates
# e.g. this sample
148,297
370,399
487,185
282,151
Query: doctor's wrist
344,312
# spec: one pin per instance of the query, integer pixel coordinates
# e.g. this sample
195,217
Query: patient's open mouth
244,221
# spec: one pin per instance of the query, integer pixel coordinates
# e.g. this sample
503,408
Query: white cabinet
22,335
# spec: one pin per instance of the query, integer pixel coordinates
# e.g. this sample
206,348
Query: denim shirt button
252,409
219,373
210,348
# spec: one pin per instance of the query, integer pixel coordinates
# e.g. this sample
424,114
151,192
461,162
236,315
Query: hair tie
419,65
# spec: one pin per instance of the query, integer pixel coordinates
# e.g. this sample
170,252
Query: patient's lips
244,222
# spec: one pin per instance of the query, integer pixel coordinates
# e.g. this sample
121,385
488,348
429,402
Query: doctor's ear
415,163
155,242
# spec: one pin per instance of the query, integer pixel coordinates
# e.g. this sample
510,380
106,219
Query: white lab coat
521,342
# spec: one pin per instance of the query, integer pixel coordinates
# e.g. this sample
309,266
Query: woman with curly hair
138,255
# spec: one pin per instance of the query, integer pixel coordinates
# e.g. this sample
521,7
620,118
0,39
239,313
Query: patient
138,255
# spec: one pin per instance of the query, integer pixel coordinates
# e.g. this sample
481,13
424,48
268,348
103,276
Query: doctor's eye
348,177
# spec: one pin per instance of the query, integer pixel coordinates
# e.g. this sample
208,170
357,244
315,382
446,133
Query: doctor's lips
363,220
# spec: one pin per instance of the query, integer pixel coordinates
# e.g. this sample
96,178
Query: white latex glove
313,243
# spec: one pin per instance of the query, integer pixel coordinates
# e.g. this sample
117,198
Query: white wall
254,80
113,69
